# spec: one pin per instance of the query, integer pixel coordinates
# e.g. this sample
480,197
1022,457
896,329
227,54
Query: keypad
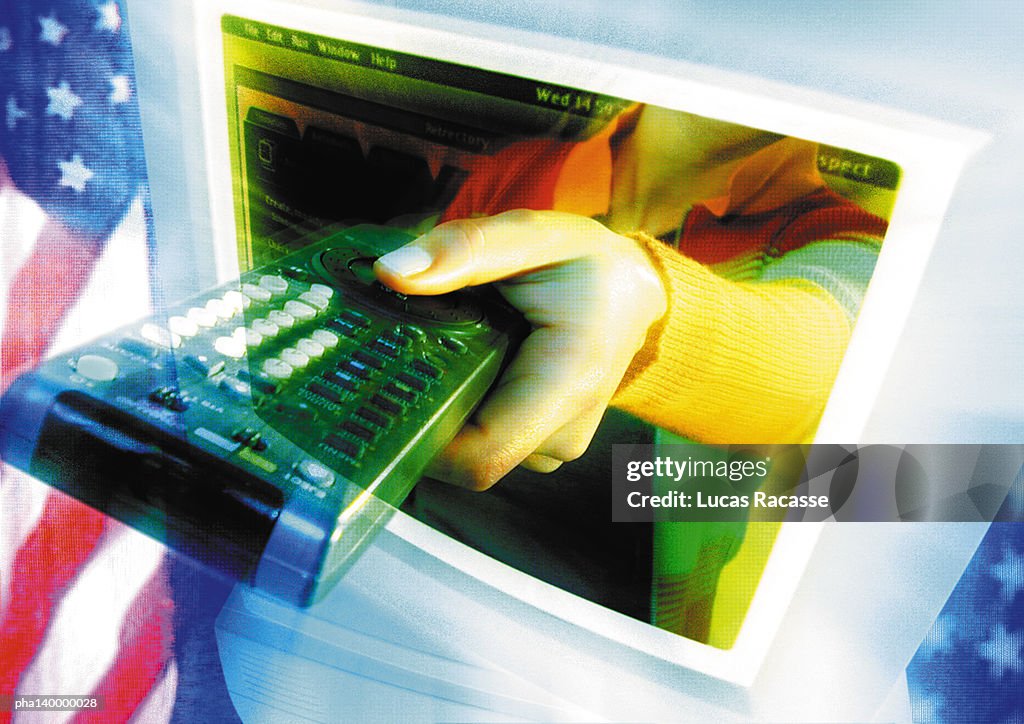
305,355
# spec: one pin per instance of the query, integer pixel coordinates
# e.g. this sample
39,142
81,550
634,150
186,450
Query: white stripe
83,638
118,291
158,706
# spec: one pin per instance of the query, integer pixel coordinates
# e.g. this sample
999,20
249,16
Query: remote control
270,426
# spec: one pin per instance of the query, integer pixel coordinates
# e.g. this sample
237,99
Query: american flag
85,606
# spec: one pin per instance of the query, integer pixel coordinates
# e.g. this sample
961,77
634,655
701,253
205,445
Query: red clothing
777,201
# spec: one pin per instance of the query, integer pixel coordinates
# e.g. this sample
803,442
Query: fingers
535,410
468,252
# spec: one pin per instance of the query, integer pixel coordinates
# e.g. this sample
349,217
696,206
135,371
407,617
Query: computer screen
314,116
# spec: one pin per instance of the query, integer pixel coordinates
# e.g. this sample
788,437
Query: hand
591,296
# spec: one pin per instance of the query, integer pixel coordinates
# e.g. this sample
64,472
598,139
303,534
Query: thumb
440,261
468,252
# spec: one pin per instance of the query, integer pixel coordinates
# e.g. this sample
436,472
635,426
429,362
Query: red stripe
145,644
42,292
43,567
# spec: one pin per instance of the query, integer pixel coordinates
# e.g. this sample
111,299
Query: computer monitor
283,115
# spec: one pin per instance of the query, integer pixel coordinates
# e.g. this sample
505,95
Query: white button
281,319
310,347
317,300
230,347
299,310
183,326
277,368
202,317
236,300
294,357
326,338
95,367
322,289
221,308
267,329
254,292
160,336
251,336
314,472
274,284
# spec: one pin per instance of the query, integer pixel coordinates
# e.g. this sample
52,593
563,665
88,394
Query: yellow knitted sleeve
735,362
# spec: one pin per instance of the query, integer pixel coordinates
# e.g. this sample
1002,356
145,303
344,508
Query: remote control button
220,308
355,318
299,310
251,336
96,367
356,368
159,335
368,359
373,416
344,445
202,317
328,339
314,472
254,292
183,326
358,430
414,382
453,345
395,391
259,461
274,284
219,441
236,300
325,392
294,357
232,347
315,300
265,327
341,379
347,329
385,349
389,406
281,319
310,347
322,289
427,369
278,369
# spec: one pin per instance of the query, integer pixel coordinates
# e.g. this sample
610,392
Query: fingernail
406,261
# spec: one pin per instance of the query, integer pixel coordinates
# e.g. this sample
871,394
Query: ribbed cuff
735,362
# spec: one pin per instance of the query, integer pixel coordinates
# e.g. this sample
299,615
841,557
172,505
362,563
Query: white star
53,31
74,173
1010,573
110,17
63,101
5,40
940,639
122,86
1002,650
14,113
